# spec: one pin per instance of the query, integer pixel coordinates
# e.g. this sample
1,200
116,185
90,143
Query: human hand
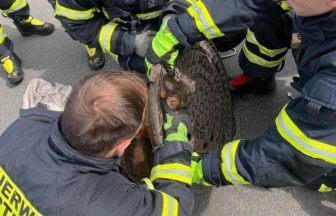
163,49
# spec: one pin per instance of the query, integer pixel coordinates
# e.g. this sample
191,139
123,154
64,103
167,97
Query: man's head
104,112
308,8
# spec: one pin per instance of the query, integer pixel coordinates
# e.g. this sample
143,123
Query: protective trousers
263,54
12,8
265,47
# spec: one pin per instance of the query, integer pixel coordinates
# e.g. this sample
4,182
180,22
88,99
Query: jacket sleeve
167,191
88,25
298,149
211,18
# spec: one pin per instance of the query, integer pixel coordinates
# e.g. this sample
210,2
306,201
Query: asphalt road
60,59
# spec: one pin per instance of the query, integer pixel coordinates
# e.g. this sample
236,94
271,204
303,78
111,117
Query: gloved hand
197,170
163,49
142,42
176,126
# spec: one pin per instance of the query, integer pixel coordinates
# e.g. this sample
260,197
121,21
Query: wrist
173,150
197,173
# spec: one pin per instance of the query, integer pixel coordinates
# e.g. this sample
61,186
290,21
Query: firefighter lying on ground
54,163
114,26
18,11
300,148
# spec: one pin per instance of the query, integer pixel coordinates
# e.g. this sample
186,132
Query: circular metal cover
210,102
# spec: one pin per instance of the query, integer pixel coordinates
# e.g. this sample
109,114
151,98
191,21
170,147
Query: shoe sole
15,82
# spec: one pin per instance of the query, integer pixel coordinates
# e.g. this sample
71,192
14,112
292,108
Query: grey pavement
58,58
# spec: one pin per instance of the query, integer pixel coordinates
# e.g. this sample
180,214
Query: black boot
12,65
95,57
245,84
29,26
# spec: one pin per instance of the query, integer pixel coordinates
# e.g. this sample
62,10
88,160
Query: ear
332,3
121,146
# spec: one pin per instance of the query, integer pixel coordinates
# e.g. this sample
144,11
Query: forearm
172,174
296,151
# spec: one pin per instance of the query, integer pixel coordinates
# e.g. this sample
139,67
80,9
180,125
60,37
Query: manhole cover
209,104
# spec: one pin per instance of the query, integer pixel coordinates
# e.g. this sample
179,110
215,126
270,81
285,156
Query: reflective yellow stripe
324,188
2,35
13,200
203,19
150,15
90,51
148,182
229,168
7,64
105,37
294,136
149,68
169,205
173,171
106,14
260,61
74,14
284,5
17,5
35,21
250,37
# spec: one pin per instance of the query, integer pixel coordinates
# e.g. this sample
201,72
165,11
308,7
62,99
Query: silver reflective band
205,25
174,171
229,168
74,14
269,52
302,145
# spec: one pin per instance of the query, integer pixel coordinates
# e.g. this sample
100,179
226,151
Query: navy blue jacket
300,147
58,180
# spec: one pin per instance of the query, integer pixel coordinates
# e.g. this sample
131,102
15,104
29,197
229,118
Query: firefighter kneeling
300,148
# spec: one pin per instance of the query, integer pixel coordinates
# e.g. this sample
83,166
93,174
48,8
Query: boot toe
47,29
96,58
16,77
96,63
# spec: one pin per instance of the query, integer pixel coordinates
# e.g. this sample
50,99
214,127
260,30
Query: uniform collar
316,28
62,152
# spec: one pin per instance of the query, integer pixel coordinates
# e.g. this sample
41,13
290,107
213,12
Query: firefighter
123,29
300,148
18,11
68,163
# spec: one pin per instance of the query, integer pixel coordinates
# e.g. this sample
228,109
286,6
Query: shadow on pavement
202,197
313,202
